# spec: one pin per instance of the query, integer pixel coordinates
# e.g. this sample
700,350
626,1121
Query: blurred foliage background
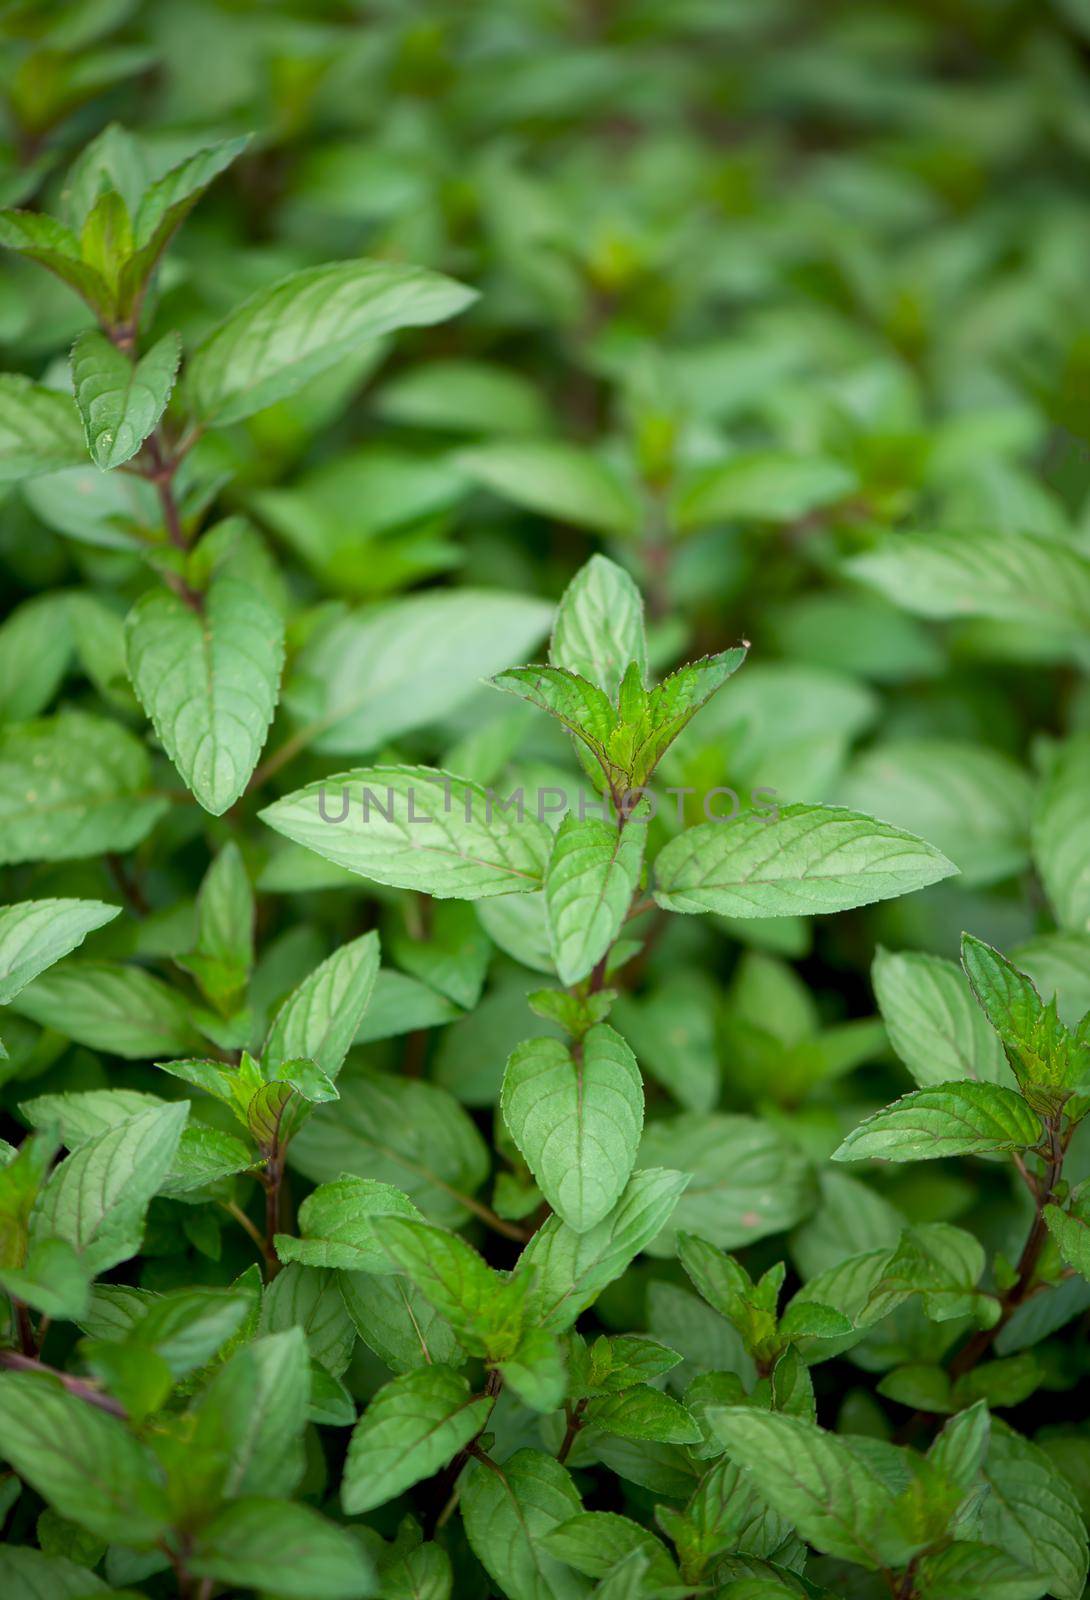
774,300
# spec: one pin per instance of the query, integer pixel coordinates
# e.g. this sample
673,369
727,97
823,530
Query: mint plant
545,934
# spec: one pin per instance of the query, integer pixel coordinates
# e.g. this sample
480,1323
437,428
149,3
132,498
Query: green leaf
416,828
123,1010
1031,1513
208,681
1018,578
484,1310
319,1020
281,337
73,785
371,675
812,1478
562,481
414,1425
120,402
576,1114
970,801
451,953
300,1297
933,1023
412,1135
670,707
1047,1060
1061,834
224,952
508,1511
460,396
335,1228
567,1271
55,247
37,933
746,1179
166,203
581,706
96,1200
40,429
599,626
282,1546
536,1370
644,1413
84,1463
799,861
593,1542
948,1119
254,1411
765,485
966,1570
593,873
394,1320
1072,1236
28,1574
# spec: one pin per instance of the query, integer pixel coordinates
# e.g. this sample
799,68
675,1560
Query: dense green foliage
544,799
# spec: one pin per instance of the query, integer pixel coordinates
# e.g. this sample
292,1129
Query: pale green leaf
558,480
121,402
73,785
576,1114
40,429
209,681
746,1180
36,933
766,486
567,1271
800,860
599,625
593,872
281,337
124,1010
319,1020
973,803
409,1134
933,1022
946,1119
1018,578
417,828
1061,835
96,1200
375,674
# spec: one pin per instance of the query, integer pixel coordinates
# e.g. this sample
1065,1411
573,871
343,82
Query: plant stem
28,1343
575,1422
1022,1288
244,1222
272,1178
83,1390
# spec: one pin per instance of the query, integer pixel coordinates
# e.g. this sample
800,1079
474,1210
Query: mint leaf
121,401
209,682
39,430
37,933
599,626
807,859
962,1118
576,1114
416,828
508,1510
933,1023
592,875
557,480
281,1544
414,1425
281,337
